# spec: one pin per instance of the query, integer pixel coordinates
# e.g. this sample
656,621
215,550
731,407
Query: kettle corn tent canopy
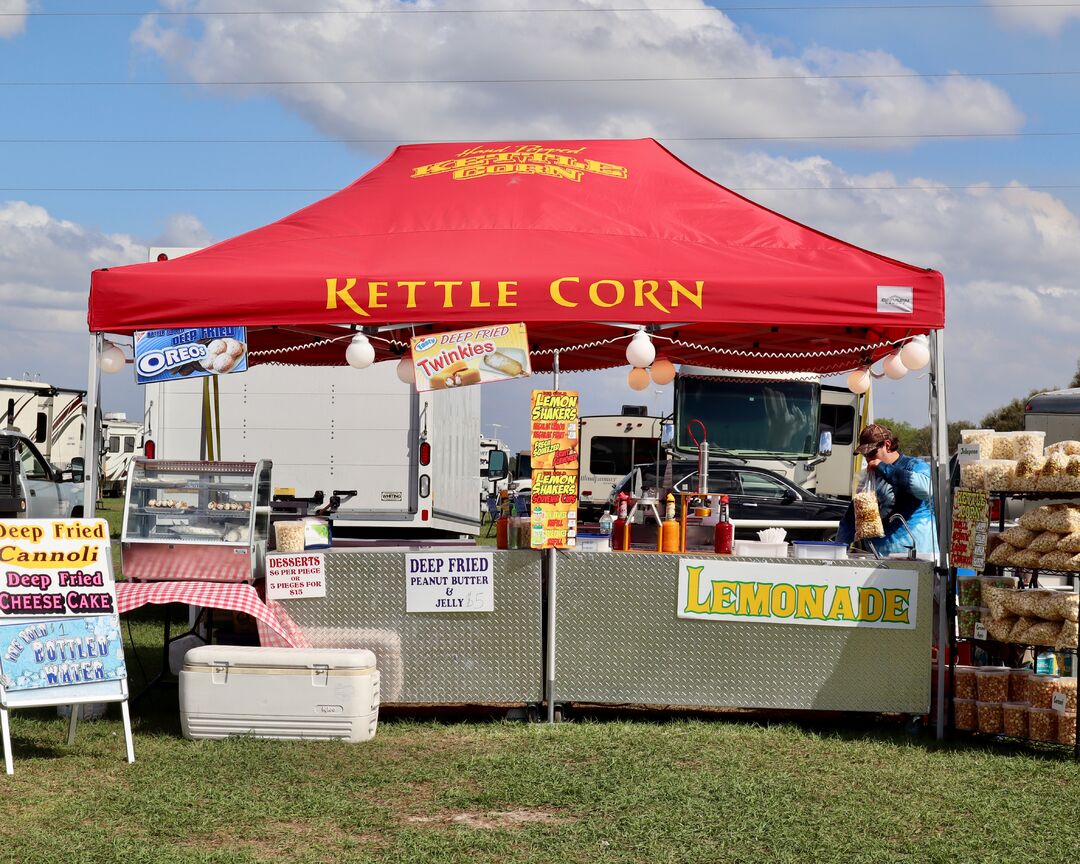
568,236
585,241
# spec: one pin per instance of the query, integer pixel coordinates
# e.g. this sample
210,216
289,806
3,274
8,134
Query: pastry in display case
202,521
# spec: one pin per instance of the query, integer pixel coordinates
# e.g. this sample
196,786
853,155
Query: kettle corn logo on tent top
563,235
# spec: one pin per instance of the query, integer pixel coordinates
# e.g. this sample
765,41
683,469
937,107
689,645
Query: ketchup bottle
618,530
724,533
502,526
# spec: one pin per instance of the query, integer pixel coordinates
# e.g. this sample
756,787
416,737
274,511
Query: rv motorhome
52,417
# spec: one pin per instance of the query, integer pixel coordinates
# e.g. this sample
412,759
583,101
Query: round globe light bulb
894,367
406,372
663,370
859,380
640,352
638,379
916,353
361,353
111,359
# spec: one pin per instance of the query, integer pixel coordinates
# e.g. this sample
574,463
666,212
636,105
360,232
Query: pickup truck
31,488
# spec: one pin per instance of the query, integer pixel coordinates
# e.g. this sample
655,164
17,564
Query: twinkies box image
290,694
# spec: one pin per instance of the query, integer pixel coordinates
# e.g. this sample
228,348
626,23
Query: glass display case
205,521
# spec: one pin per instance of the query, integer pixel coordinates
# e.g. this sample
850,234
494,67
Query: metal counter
619,641
460,657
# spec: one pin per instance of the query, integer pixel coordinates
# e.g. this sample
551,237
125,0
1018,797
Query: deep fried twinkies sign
797,594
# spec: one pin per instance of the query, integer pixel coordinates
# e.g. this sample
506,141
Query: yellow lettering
870,604
810,600
605,168
842,608
897,604
754,599
723,597
693,598
410,288
694,296
594,292
476,302
448,292
646,288
556,290
333,294
377,298
505,294
783,601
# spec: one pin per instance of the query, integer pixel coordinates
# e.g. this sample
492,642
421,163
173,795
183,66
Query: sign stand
60,640
5,727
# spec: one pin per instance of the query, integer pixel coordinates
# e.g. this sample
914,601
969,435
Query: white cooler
283,693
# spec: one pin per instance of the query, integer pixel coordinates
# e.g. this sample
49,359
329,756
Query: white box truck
404,464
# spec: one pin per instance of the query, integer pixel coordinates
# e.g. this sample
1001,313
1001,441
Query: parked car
32,488
759,498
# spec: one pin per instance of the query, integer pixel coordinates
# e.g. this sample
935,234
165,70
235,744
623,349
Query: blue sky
995,212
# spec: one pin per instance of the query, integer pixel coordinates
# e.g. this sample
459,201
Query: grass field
640,787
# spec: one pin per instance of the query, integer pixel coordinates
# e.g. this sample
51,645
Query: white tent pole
552,569
91,435
939,444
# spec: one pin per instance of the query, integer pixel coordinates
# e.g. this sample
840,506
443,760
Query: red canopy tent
584,241
568,236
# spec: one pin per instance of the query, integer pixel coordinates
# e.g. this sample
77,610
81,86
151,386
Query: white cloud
1008,256
578,45
45,266
13,17
183,230
1035,15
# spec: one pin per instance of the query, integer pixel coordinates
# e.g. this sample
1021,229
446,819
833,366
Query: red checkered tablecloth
276,629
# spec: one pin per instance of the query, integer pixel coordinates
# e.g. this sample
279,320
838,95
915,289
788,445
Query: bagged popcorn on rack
1069,542
1066,640
1071,481
1050,477
1019,537
1027,471
984,438
999,474
1001,555
1028,443
1026,558
1043,633
973,475
1063,518
1045,542
1069,448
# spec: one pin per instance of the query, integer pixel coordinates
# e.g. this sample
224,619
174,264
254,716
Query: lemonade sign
798,594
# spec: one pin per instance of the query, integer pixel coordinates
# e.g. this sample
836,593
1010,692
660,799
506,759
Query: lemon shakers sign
798,594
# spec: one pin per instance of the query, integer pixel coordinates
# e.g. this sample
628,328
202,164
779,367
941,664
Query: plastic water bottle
605,522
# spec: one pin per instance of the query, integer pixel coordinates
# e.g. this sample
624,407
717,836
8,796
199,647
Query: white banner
719,590
449,582
295,576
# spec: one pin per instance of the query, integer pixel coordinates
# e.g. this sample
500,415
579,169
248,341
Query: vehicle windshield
682,476
750,418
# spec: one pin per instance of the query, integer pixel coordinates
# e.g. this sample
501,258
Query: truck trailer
397,462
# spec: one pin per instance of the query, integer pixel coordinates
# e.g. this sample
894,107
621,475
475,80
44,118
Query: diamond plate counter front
460,657
619,641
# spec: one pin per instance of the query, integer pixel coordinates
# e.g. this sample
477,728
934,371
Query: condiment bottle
502,526
620,539
669,530
724,533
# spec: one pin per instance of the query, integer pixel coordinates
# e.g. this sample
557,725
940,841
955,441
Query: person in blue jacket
903,488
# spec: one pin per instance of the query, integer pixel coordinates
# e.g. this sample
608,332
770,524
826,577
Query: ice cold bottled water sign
449,582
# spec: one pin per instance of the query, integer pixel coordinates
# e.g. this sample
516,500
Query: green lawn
647,787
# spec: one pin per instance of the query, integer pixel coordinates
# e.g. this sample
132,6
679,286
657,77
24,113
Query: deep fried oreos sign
165,355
